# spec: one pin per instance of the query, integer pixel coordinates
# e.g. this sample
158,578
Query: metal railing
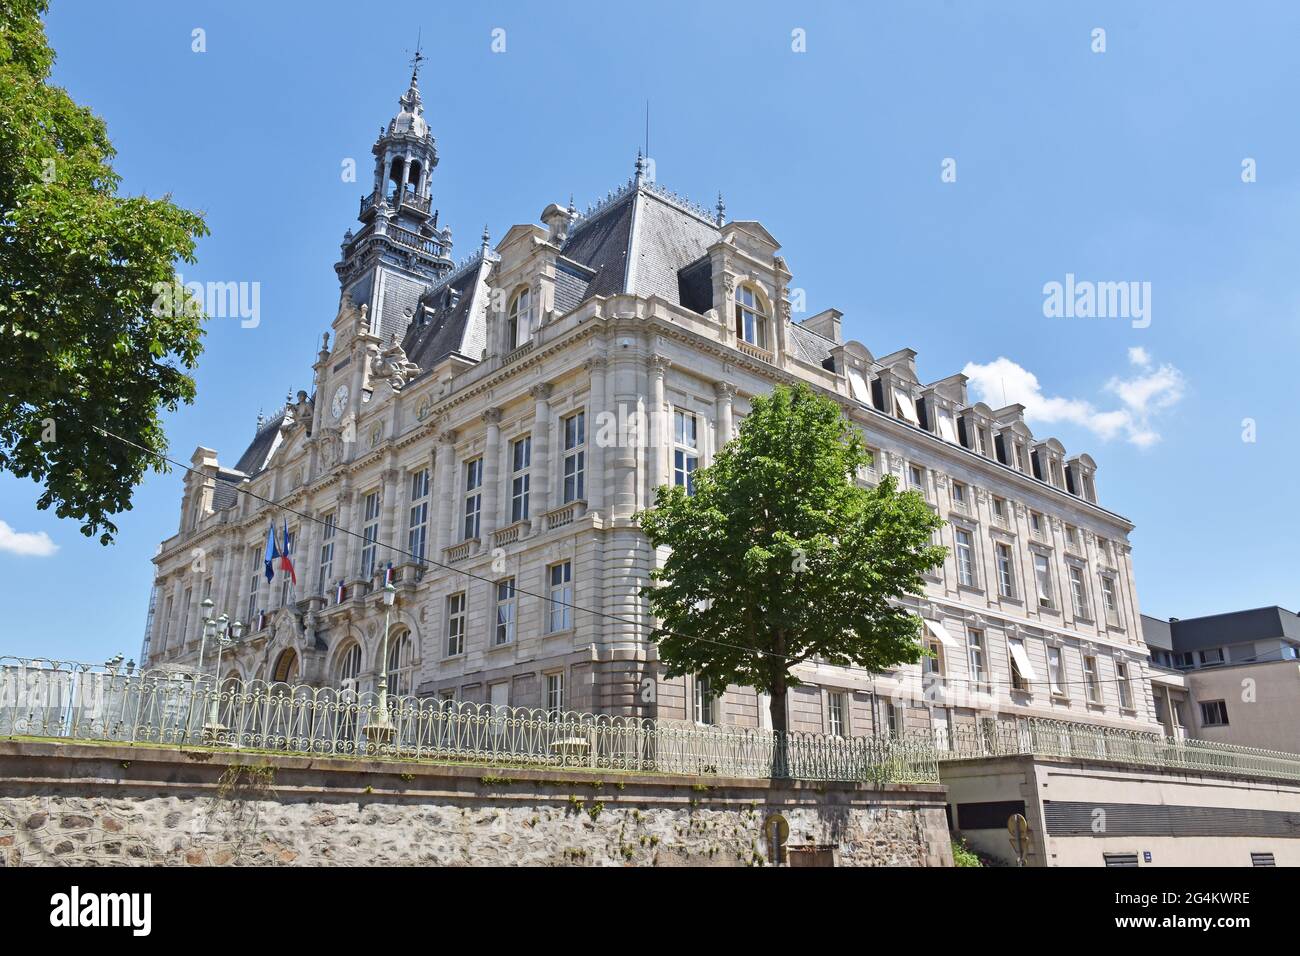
49,699
1058,738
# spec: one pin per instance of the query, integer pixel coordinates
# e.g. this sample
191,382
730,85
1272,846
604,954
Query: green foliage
80,344
962,855
780,556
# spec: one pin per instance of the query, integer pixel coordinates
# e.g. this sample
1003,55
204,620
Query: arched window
520,318
751,322
347,668
401,665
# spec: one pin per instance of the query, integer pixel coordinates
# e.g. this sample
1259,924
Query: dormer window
519,319
751,323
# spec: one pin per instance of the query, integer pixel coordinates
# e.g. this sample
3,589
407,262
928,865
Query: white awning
1022,659
858,386
941,635
905,406
946,429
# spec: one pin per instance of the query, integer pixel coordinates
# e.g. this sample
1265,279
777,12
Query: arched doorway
286,667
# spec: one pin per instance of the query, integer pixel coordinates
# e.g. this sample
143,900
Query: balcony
753,351
511,533
408,200
565,515
459,552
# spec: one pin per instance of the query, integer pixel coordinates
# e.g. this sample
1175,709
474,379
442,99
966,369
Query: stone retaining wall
69,803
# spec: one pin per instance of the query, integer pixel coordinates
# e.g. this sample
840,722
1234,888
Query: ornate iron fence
1059,738
50,699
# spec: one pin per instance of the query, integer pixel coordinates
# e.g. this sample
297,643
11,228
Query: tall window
1006,571
559,615
554,694
1121,682
965,558
329,525
1109,601
401,666
520,318
1043,575
521,458
187,608
290,539
959,496
703,701
1016,649
575,457
1000,511
1090,679
1055,671
685,455
1079,591
835,711
254,581
1036,524
975,651
456,624
750,324
417,522
893,719
507,605
369,534
473,497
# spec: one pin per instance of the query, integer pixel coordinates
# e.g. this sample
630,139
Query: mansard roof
638,240
254,457
449,319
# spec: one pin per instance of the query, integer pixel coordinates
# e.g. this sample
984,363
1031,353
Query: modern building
1231,678
490,429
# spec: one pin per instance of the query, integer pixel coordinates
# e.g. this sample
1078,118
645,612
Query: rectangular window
1091,680
473,498
1079,592
959,498
1072,537
835,710
254,581
575,457
1043,575
521,459
916,478
1036,524
703,701
1020,456
504,632
369,534
1109,601
187,606
893,719
554,695
1055,671
975,653
1211,657
417,522
965,558
1006,571
328,526
1121,682
456,624
685,454
1214,713
1000,511
560,613
1021,672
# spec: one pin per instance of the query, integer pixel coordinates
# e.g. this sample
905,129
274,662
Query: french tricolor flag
286,563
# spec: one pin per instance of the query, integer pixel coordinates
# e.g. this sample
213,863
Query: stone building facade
491,429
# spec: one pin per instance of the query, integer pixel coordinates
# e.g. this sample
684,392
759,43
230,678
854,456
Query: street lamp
205,613
226,635
381,731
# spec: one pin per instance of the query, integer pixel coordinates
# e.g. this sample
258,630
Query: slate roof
254,456
445,322
810,346
1234,627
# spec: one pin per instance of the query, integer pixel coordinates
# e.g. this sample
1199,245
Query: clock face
340,403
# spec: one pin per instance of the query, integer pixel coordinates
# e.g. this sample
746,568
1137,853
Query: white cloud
28,544
1151,390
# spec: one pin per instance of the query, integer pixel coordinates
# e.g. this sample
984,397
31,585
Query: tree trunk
780,741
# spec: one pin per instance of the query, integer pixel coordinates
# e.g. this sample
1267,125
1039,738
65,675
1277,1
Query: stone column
626,395
661,430
725,392
390,549
540,470
446,485
344,544
491,476
216,562
595,479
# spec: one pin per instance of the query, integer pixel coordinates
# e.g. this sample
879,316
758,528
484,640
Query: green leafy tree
780,556
84,343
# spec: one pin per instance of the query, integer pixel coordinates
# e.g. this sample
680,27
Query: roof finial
573,210
487,238
261,420
722,210
640,167
417,59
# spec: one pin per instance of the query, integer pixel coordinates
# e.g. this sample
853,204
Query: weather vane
419,57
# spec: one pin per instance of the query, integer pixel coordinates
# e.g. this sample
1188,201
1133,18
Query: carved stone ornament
392,365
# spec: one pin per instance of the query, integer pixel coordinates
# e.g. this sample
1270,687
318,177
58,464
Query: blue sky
1124,165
